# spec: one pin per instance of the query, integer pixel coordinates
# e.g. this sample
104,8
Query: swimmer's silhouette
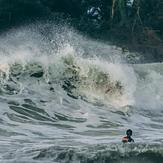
128,137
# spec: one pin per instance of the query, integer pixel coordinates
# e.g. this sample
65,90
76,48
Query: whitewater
67,98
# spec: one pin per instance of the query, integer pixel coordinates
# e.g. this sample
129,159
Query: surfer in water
128,137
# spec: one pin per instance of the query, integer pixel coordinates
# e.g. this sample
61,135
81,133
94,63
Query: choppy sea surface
67,98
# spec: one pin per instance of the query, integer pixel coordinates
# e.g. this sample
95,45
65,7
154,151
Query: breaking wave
67,98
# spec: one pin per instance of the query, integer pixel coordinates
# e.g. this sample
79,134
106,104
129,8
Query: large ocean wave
67,98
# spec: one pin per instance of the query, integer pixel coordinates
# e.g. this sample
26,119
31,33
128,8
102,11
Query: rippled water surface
66,98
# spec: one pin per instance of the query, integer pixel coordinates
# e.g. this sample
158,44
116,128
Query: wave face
67,98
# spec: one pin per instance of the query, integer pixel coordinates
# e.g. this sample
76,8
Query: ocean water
67,98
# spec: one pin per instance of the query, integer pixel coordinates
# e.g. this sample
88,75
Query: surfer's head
129,132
